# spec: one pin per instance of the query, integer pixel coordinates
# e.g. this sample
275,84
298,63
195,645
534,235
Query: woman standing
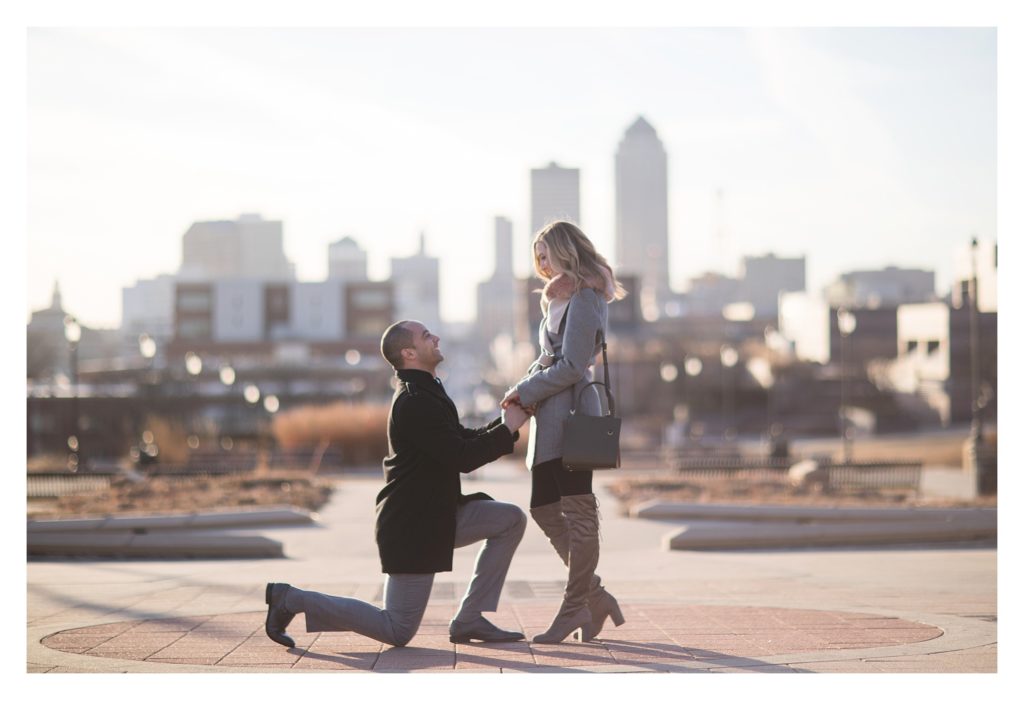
579,284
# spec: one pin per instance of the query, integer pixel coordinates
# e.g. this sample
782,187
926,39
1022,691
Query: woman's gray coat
554,389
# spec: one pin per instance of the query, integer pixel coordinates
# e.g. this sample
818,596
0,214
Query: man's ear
411,353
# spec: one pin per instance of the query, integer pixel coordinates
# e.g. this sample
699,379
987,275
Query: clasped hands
514,414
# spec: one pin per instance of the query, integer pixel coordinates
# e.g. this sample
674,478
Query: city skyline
134,135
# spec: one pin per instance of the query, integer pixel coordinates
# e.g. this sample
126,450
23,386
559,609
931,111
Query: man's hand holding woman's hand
514,417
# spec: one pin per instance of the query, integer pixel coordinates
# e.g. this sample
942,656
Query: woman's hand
511,398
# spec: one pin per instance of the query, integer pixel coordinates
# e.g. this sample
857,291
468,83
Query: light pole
729,357
847,324
73,334
692,366
669,373
975,378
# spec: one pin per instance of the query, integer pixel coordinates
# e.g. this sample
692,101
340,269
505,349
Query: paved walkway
912,609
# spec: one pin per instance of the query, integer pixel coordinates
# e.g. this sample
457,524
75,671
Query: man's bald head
396,337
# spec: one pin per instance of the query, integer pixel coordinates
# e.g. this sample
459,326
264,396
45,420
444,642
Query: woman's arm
581,327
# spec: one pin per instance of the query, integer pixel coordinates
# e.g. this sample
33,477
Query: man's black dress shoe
277,616
482,630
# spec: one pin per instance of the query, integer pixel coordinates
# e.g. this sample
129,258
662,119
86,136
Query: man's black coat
427,451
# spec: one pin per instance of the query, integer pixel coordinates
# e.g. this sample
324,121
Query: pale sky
857,148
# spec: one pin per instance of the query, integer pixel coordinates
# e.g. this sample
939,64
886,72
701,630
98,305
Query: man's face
426,346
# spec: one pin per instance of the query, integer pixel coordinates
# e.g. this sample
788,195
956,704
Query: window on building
911,346
932,347
370,298
194,300
194,328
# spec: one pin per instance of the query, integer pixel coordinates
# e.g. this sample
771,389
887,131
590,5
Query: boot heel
584,633
616,615
267,595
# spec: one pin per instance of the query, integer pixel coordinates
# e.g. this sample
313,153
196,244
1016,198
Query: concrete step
153,545
248,518
714,536
767,512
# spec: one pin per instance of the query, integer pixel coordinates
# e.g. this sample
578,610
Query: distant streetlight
669,372
227,374
147,346
847,324
352,356
73,334
251,393
193,363
271,404
729,357
693,366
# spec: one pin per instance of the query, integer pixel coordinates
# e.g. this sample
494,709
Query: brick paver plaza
910,609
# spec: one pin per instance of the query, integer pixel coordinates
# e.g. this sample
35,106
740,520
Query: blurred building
811,325
495,298
710,293
624,317
804,322
762,279
47,349
263,318
148,307
641,213
416,281
346,260
874,336
247,247
934,342
882,287
48,353
554,195
983,262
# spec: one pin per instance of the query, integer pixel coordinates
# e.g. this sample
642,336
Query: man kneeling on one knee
422,514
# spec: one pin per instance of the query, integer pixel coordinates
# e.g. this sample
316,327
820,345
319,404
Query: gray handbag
592,442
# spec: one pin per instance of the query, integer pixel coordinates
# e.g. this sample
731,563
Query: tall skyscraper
502,246
496,297
248,247
346,260
641,213
554,195
417,287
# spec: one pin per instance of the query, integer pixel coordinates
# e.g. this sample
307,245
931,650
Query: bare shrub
170,437
359,430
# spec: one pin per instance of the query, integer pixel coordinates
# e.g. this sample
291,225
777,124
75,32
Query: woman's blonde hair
573,254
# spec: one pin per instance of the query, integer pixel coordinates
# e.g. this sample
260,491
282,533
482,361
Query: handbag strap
607,384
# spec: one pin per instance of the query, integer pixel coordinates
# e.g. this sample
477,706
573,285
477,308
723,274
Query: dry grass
195,493
743,489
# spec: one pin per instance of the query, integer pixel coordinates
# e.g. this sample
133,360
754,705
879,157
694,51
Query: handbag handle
607,380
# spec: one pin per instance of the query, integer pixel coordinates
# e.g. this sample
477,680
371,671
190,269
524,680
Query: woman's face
545,267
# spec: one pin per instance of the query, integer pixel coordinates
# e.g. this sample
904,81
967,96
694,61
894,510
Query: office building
495,298
416,281
554,195
249,247
763,279
641,213
889,287
346,261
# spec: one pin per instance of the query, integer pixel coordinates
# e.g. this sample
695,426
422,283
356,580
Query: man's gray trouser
500,525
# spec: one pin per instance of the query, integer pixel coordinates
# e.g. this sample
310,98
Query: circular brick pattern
654,634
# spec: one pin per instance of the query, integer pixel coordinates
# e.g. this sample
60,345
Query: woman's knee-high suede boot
580,512
602,604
